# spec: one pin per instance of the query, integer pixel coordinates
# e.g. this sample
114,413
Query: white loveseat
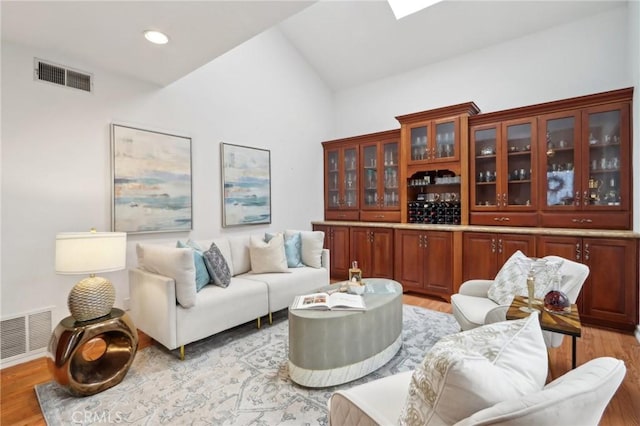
155,287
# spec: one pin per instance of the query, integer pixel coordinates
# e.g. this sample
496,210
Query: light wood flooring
19,405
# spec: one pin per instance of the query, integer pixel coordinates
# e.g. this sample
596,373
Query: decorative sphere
557,302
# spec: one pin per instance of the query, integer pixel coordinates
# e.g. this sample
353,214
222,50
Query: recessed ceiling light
156,37
402,8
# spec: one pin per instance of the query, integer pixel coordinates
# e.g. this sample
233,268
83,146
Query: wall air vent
62,75
25,335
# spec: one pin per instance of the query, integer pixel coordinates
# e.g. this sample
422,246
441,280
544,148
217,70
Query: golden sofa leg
258,322
182,353
270,318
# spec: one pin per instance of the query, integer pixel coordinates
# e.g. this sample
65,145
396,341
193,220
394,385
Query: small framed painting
151,181
246,185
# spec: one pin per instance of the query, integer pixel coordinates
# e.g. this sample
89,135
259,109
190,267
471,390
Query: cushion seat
471,310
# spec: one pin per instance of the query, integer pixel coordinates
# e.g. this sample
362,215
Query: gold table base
87,357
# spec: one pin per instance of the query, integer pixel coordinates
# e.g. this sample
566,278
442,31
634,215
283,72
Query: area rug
238,377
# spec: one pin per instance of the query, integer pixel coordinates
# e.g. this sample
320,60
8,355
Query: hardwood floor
19,405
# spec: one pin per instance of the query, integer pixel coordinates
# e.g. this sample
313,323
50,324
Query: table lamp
81,253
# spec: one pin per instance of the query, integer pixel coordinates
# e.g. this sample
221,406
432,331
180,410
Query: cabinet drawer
504,219
379,216
609,220
342,215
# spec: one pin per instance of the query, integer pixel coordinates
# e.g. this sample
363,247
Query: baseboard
638,332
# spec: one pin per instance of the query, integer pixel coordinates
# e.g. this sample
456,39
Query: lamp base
91,298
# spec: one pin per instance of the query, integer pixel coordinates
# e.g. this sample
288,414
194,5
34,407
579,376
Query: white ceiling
347,42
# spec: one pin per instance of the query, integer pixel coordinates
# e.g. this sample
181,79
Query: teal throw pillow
217,266
292,249
202,275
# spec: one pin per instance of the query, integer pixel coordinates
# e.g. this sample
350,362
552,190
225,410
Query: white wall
56,152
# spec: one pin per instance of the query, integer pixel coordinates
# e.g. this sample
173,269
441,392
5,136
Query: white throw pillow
475,369
267,257
312,245
511,280
176,263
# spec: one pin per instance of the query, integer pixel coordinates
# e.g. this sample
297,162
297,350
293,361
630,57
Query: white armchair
472,307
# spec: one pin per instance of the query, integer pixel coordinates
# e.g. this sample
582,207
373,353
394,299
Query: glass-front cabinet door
519,172
484,166
435,141
559,148
606,159
380,163
341,178
502,166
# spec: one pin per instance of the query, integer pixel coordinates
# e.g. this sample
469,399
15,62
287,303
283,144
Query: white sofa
154,296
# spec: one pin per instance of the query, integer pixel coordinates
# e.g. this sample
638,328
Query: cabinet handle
342,215
371,236
493,245
498,200
578,251
574,220
500,245
504,199
577,202
425,242
586,252
501,219
585,198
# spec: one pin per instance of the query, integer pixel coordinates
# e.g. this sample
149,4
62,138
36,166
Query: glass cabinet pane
333,187
560,160
485,166
445,140
518,165
350,178
391,196
419,143
370,155
603,186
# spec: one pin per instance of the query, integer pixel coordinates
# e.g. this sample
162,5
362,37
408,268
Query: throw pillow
472,370
511,280
202,275
312,243
267,256
217,266
176,263
292,249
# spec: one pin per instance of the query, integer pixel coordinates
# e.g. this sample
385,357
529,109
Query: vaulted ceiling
348,43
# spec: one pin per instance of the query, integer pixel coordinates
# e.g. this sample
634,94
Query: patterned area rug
238,377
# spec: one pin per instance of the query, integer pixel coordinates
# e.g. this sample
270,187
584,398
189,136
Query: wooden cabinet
434,146
336,240
483,254
341,181
424,261
502,173
586,174
609,297
372,248
380,177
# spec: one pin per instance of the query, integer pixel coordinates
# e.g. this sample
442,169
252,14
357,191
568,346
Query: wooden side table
568,324
87,357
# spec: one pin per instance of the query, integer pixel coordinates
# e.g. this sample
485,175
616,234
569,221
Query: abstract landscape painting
246,180
151,181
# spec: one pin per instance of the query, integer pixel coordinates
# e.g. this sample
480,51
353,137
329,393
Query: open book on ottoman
324,301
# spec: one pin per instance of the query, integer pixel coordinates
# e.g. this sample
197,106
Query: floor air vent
25,334
62,76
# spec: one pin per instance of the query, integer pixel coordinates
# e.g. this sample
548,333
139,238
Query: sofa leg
182,353
258,322
270,318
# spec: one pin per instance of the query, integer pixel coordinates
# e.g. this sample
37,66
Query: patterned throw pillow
217,266
472,370
202,275
511,280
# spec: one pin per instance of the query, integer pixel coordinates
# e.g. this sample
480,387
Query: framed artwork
246,185
151,181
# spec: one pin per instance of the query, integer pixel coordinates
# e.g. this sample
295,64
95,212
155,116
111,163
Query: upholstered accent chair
472,306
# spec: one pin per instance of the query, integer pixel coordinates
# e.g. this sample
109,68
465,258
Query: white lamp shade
90,252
